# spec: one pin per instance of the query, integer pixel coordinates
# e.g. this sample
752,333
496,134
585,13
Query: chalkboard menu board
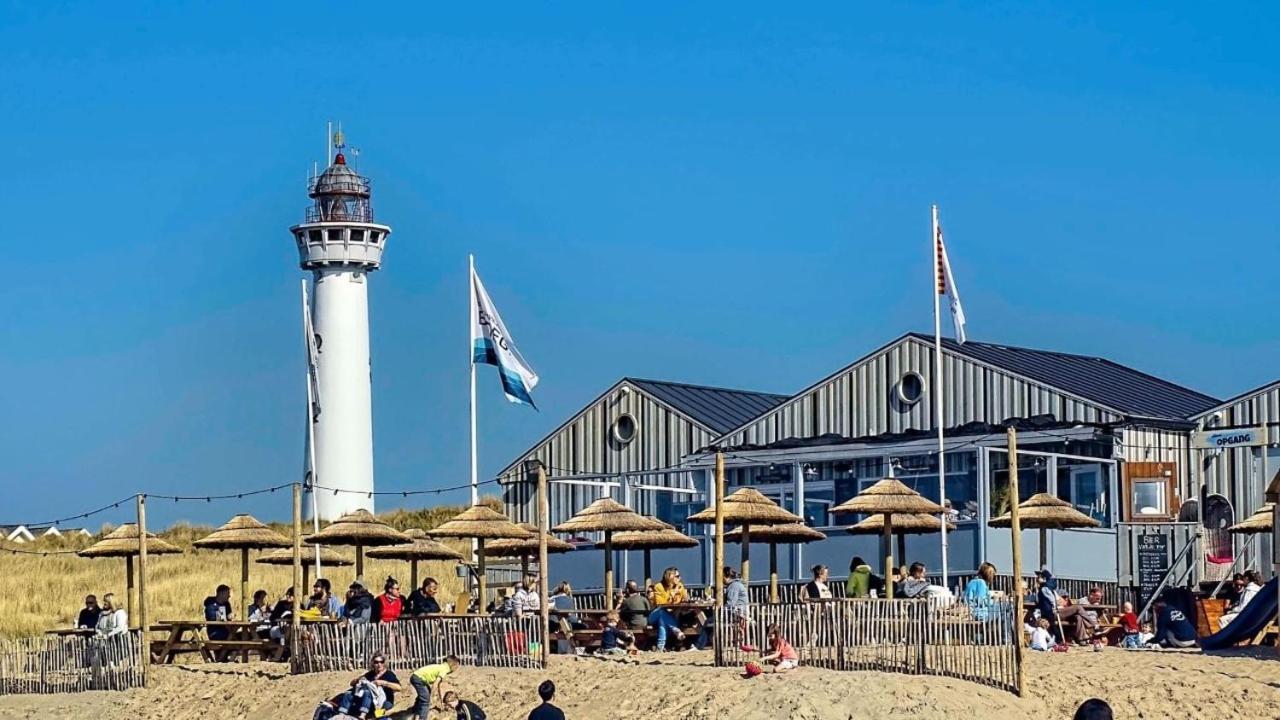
1152,562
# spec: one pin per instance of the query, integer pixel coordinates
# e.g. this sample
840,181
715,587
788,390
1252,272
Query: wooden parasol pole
1044,548
413,573
902,546
130,587
773,573
1015,528
360,562
143,624
888,555
244,583
544,526
746,554
608,568
299,590
480,606
717,569
648,568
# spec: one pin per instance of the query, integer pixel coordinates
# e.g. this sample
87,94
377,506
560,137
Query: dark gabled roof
1238,398
1096,379
719,409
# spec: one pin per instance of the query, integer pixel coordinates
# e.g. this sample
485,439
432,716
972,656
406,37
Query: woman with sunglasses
667,591
363,700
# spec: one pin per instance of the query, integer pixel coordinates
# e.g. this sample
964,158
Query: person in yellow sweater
667,591
427,679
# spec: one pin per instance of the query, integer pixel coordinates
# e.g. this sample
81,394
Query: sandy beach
686,687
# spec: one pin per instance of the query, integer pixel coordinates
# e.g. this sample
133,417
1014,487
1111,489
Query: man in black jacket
422,601
465,709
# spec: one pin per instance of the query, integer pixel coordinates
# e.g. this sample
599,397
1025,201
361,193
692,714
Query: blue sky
723,193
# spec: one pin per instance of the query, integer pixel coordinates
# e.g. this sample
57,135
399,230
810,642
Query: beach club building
1131,450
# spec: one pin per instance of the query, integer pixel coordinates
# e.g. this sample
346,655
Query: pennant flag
947,284
313,357
491,344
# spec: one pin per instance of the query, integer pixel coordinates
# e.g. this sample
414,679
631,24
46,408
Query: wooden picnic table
192,636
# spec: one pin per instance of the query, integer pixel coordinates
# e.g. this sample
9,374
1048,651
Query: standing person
546,711
667,591
738,602
430,678
422,601
112,620
817,589
1129,624
390,604
217,608
1046,594
465,709
88,618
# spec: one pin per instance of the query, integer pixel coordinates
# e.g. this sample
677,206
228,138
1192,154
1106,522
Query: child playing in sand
1041,638
782,655
1129,623
613,641
1146,634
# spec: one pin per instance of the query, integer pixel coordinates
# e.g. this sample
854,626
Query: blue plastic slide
1255,616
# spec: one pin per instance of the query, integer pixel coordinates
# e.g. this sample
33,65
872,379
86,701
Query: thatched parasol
525,549
791,533
244,533
607,516
903,525
421,548
361,529
1259,522
667,538
889,497
747,507
1045,512
123,543
480,523
284,556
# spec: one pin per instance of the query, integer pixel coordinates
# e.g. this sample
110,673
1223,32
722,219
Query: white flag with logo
491,344
947,285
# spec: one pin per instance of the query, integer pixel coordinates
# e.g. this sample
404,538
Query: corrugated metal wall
862,400
585,445
1232,472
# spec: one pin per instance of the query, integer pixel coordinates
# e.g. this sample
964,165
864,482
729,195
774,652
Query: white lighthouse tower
341,244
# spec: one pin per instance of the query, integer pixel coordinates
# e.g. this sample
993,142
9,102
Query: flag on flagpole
313,356
947,284
491,344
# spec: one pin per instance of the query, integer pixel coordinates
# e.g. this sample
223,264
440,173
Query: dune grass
39,593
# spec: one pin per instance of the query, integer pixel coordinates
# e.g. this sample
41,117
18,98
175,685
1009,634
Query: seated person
1041,639
613,640
372,694
358,609
423,601
465,709
635,608
1085,622
916,585
561,602
1253,583
217,608
817,589
1173,628
88,618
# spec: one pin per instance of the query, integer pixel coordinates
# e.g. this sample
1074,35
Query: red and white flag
946,284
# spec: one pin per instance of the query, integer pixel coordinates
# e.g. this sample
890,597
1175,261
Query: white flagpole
311,430
471,283
938,390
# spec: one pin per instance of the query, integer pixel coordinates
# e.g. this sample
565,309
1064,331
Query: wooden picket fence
62,664
913,637
409,644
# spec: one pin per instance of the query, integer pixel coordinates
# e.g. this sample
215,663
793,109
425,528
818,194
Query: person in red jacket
390,603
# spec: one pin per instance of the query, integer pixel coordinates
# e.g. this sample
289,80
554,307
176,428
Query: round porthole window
911,388
624,429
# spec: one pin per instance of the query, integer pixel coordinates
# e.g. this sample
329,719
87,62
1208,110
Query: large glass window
1033,477
1087,486
920,473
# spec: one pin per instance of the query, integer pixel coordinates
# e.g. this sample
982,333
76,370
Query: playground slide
1255,616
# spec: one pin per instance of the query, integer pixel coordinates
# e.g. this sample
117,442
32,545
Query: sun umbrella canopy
358,527
920,524
525,547
123,542
748,506
241,532
606,514
284,556
888,496
421,548
1043,511
778,534
1259,522
480,522
668,538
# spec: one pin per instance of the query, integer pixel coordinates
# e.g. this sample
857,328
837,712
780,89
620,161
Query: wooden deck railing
61,664
411,643
903,636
